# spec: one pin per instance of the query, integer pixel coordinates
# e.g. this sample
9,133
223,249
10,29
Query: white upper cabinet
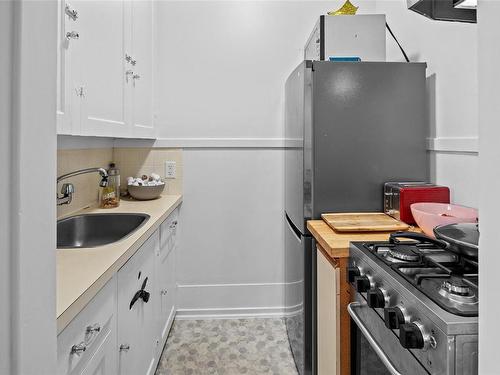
105,69
142,20
67,100
104,30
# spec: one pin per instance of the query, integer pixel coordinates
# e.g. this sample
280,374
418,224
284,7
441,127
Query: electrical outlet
170,169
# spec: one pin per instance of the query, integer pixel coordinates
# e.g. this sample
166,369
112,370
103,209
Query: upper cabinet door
68,106
143,39
104,38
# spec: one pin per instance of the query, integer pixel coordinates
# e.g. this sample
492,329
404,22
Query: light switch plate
170,169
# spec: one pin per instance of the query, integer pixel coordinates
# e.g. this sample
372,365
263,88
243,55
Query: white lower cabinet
137,333
328,320
103,361
165,271
91,336
117,333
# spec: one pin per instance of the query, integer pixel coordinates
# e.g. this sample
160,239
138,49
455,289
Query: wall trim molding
438,144
231,313
278,143
231,301
454,144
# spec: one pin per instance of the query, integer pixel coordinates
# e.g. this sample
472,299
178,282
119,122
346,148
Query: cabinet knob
124,347
130,60
72,35
173,225
79,348
163,292
71,13
136,76
94,328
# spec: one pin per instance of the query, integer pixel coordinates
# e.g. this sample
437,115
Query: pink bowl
430,215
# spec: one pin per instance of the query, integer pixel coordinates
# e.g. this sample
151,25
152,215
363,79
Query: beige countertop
81,273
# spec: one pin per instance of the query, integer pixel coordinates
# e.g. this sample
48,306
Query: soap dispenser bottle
110,193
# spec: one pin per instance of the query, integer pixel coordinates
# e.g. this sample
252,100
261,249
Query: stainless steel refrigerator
350,127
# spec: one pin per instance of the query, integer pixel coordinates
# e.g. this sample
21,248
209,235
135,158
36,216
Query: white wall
222,68
33,211
450,50
223,64
5,165
489,116
232,232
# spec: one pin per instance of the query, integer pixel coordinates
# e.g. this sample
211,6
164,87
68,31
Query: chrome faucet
68,189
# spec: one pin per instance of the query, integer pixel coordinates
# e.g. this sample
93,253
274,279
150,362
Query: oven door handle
383,357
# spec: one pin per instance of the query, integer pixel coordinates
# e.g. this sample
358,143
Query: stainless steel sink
94,230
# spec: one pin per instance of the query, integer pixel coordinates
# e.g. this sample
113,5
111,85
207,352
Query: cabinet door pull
71,13
142,294
79,348
94,328
72,35
124,347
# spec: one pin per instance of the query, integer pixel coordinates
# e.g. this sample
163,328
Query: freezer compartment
299,297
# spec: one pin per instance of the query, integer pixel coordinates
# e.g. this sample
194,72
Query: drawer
168,233
78,342
167,292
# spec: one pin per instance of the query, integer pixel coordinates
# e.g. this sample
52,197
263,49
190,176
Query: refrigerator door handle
293,229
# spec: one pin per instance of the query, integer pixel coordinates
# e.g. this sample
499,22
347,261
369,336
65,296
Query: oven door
375,349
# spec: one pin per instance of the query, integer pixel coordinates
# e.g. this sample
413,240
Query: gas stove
447,279
419,303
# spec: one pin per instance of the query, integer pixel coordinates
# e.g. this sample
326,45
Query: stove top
447,279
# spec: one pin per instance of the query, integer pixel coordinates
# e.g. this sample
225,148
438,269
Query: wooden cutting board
363,222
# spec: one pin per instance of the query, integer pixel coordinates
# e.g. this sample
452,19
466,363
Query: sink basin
92,230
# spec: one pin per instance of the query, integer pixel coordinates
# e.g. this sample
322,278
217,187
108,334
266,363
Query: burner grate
449,280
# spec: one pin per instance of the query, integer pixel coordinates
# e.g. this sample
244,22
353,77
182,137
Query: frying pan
460,238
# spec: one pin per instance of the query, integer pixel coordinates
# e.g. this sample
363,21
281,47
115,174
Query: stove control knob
352,272
411,336
393,317
362,283
377,298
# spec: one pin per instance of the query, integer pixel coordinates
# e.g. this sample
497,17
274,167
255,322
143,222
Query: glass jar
109,196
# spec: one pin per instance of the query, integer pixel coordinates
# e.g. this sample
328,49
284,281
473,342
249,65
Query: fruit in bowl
430,215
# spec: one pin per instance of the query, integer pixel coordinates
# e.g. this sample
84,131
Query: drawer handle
78,349
173,225
124,347
95,328
351,308
164,292
72,35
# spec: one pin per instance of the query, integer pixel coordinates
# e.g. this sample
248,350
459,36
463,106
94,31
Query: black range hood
443,10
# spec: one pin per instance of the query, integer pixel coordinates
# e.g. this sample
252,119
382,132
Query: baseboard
231,301
231,313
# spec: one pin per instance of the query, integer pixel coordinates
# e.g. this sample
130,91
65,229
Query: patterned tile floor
229,347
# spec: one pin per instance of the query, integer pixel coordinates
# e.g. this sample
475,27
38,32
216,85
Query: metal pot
460,238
